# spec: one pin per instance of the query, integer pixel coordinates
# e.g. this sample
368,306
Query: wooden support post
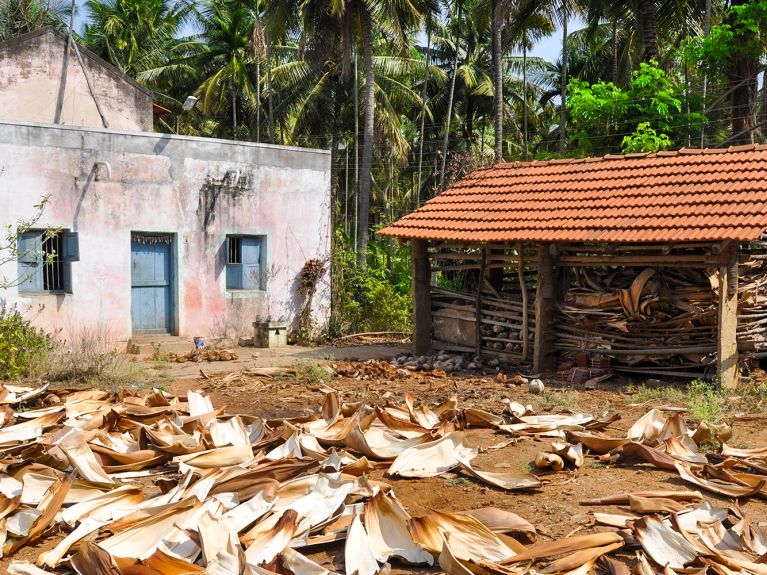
544,307
525,306
727,341
478,303
421,297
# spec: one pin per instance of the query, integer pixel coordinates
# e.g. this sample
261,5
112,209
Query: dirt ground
554,508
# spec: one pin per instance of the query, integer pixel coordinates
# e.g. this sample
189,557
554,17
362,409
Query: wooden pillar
478,303
545,297
727,321
421,297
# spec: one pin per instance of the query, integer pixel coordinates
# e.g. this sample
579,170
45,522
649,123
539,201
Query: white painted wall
159,184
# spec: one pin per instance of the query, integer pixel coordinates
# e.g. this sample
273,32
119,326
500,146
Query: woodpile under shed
649,264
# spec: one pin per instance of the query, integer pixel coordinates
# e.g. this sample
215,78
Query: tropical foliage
410,96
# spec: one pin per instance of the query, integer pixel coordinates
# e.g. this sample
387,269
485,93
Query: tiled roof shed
685,195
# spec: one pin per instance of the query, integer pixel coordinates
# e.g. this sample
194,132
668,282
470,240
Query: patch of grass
645,394
158,354
705,402
457,481
313,373
594,464
562,398
123,377
527,467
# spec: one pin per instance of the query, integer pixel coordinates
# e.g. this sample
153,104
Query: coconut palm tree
21,16
135,35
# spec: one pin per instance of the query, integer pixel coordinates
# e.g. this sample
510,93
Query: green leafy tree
647,113
645,139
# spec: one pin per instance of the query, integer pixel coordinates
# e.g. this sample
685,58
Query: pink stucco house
154,233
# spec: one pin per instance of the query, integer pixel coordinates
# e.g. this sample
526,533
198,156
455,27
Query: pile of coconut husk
159,484
204,354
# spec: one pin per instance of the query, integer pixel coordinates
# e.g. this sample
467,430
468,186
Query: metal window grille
53,267
235,251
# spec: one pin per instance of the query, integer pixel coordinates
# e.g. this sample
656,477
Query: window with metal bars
235,250
44,261
245,263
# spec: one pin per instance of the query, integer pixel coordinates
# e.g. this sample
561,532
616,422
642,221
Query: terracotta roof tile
687,195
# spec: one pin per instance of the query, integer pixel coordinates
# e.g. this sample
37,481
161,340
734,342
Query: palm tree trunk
334,141
269,88
563,87
366,168
258,99
649,26
742,75
704,86
234,109
525,110
615,51
497,26
423,111
450,96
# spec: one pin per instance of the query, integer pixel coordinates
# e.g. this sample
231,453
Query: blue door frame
152,284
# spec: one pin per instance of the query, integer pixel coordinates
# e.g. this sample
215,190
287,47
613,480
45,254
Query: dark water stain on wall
232,185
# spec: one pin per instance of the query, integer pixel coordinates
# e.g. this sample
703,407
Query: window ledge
42,293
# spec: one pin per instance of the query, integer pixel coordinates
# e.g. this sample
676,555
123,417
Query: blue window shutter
234,276
251,263
70,247
30,270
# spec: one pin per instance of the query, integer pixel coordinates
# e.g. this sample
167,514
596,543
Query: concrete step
147,345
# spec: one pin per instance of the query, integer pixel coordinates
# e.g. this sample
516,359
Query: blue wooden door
151,284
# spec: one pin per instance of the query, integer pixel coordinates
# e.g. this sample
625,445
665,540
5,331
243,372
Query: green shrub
373,299
705,402
21,344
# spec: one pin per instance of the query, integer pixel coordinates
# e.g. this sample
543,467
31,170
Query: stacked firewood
651,318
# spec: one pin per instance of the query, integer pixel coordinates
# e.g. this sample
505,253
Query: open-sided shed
653,261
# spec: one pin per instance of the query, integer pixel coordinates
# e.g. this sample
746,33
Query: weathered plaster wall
162,183
30,79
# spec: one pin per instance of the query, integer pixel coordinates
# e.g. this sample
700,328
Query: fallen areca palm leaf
566,545
636,452
91,559
717,486
379,443
625,498
640,504
268,544
50,506
138,535
663,544
510,481
359,558
300,564
433,458
595,443
449,563
219,457
27,568
569,452
580,560
501,521
551,461
387,528
469,538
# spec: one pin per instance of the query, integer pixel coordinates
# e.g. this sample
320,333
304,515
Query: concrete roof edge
161,135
